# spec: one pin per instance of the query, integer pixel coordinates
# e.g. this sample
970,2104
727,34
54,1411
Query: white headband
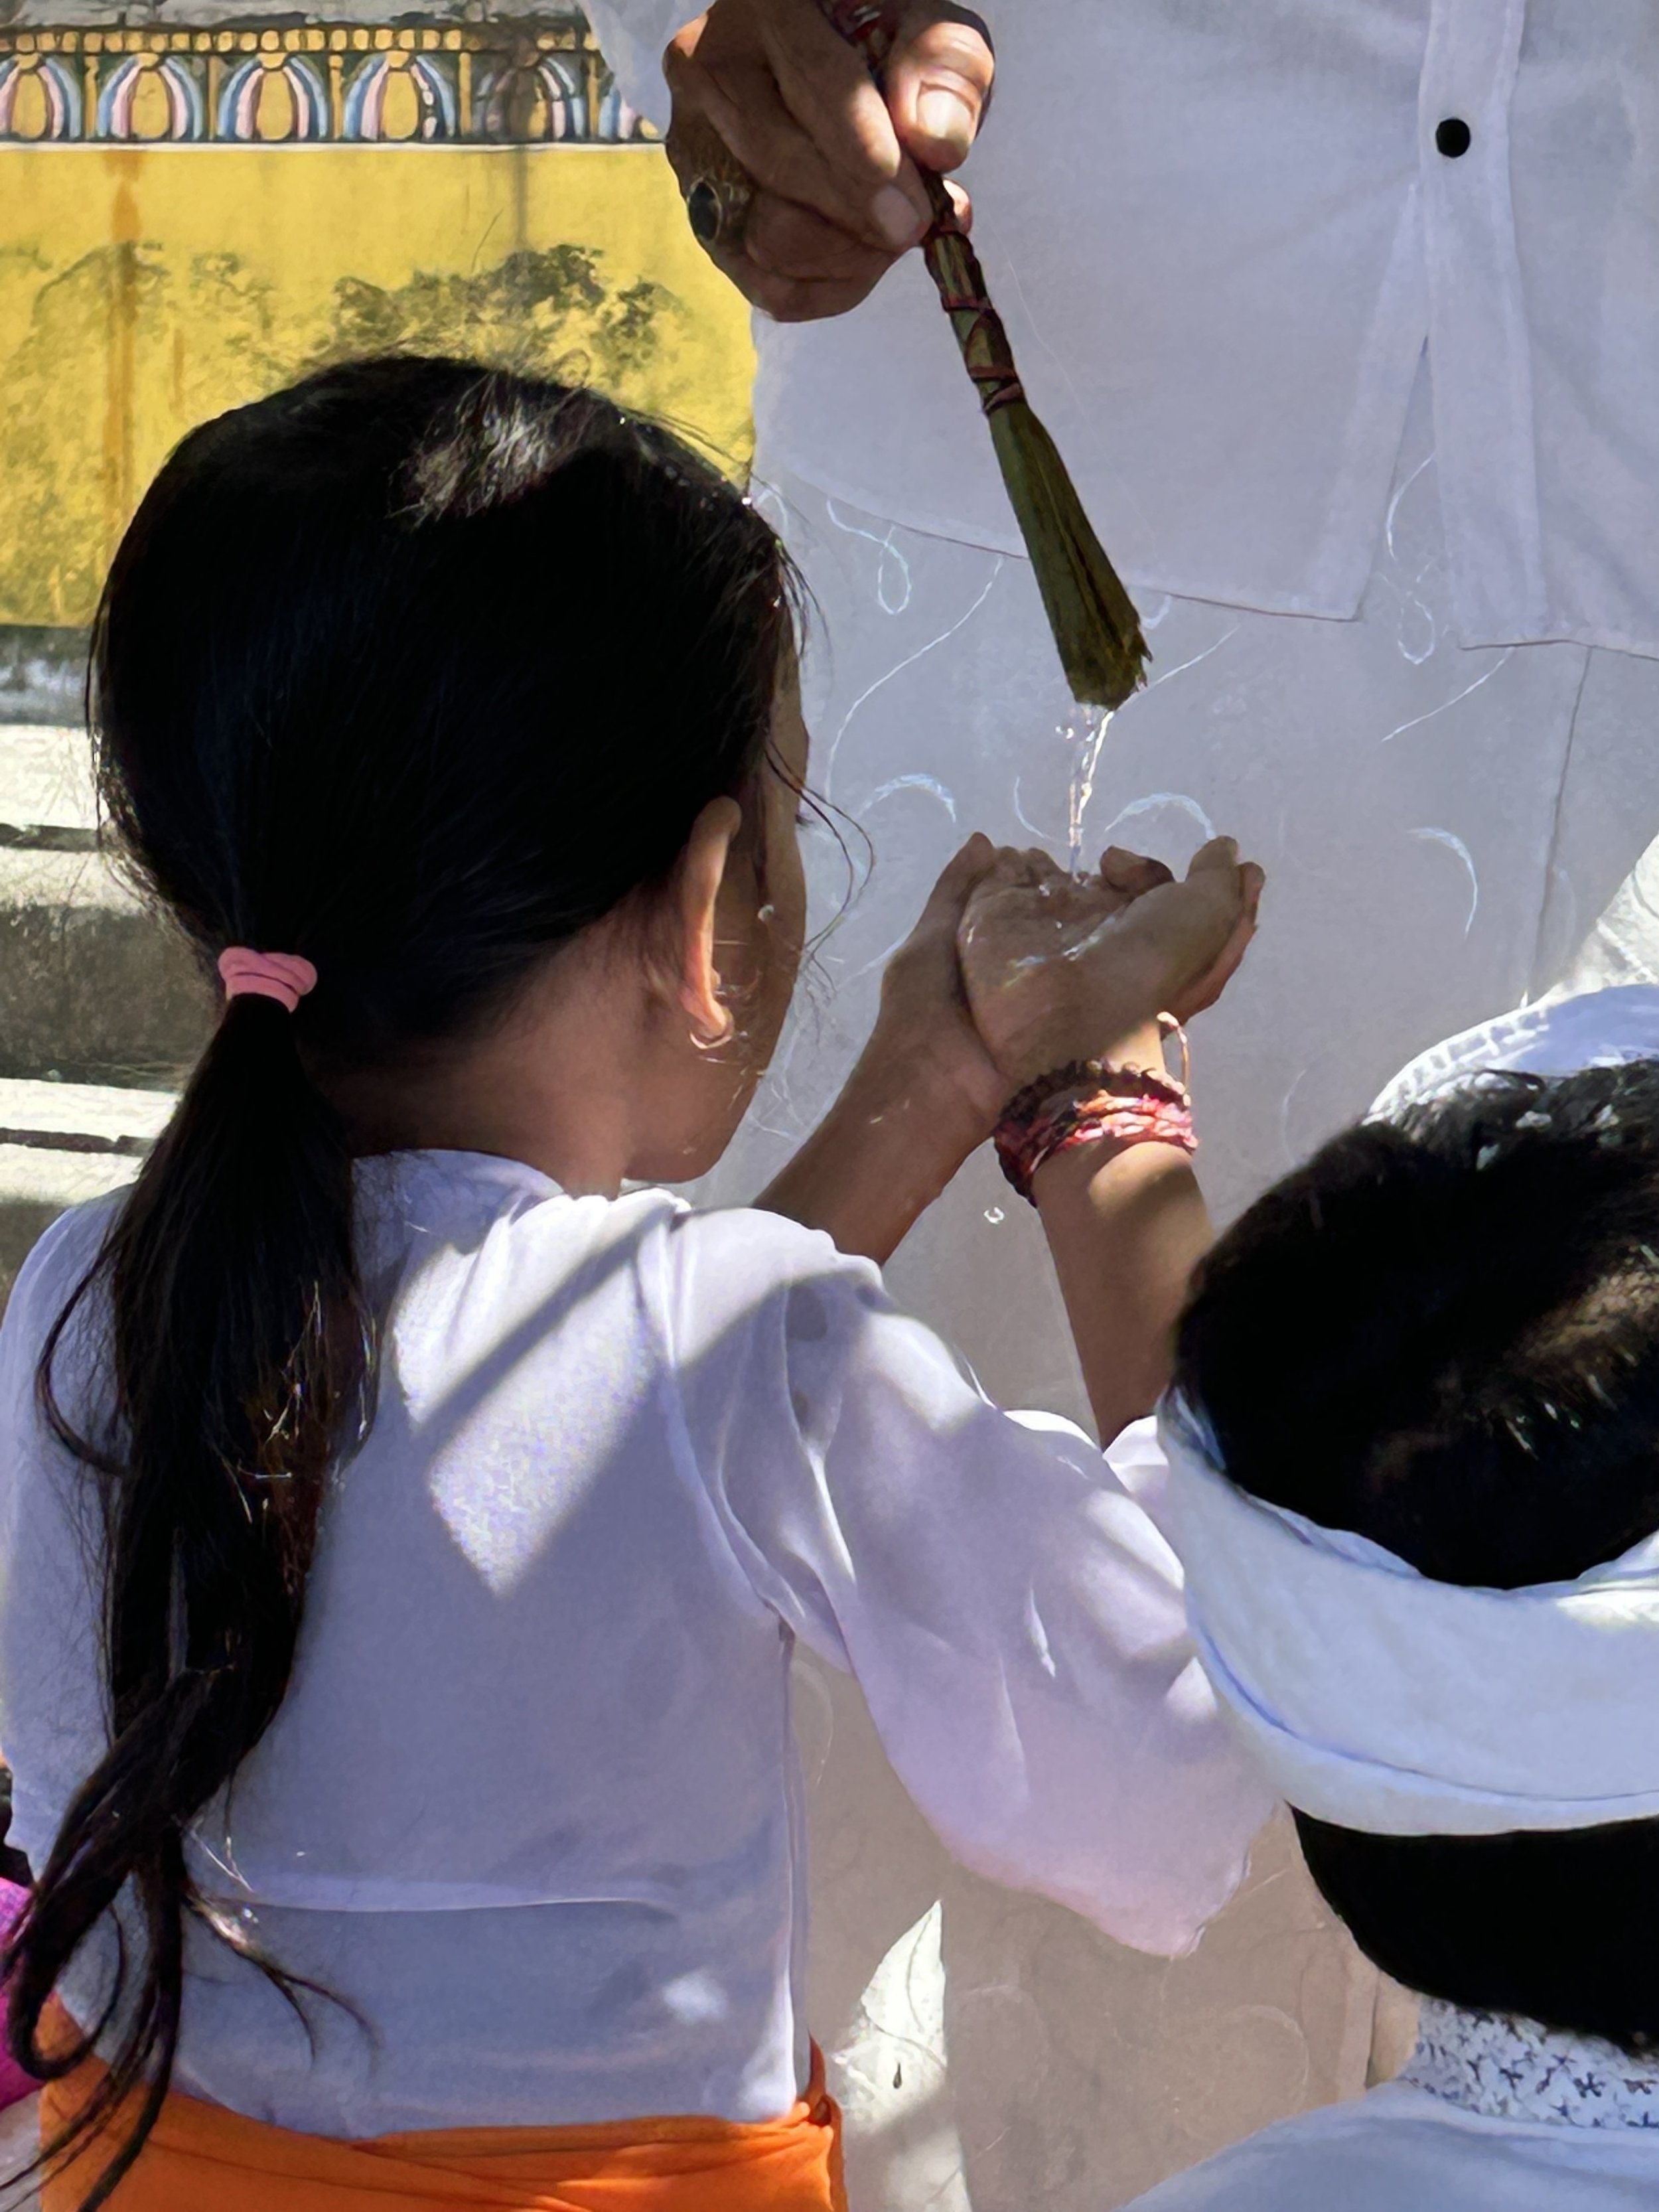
1380,1700
1600,1029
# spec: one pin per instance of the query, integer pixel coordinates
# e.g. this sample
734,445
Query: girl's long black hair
415,669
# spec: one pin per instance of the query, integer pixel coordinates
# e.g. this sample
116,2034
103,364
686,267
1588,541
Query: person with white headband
1410,1460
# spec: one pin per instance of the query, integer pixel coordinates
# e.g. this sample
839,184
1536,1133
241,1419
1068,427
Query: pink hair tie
284,976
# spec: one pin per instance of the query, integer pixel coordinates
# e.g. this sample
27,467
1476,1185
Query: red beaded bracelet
1090,1102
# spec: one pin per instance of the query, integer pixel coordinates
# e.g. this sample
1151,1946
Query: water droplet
994,1214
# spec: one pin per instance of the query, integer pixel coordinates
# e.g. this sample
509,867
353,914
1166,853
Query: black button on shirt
1452,136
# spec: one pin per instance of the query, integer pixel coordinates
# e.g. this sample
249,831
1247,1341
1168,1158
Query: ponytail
241,1354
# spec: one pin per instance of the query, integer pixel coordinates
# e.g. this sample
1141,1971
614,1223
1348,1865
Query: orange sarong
201,2158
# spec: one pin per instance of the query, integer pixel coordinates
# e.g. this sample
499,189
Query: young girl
407,1520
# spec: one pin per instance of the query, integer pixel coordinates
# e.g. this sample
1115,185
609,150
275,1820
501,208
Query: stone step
46,780
100,1004
94,988
82,1117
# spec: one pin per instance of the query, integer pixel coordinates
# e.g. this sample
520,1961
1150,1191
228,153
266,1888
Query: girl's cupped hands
1056,968
1012,958
1014,967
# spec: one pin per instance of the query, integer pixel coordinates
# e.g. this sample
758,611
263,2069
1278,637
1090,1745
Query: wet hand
1059,968
838,196
925,1038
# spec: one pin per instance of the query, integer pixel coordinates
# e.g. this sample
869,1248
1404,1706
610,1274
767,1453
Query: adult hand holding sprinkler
834,194
740,86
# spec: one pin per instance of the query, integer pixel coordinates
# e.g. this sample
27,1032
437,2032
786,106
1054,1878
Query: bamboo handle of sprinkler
1096,628
954,267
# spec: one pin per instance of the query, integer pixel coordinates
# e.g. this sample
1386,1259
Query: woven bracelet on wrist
1090,1102
1120,1080
1102,1117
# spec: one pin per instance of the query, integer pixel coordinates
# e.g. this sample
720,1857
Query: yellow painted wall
144,290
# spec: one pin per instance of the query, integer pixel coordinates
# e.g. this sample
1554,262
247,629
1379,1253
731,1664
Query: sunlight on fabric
890,2074
514,1469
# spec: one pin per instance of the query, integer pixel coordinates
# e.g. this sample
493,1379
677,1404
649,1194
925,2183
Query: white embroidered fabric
1518,2069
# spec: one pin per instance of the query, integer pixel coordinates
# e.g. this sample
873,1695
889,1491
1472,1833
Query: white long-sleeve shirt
1220,236
531,1802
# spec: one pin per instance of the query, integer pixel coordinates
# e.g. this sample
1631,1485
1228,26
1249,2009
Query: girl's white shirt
533,1804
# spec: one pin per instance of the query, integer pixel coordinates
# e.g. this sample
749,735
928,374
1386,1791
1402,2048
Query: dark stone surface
97,994
42,674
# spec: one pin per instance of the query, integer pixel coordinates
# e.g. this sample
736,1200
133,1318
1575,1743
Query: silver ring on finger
717,208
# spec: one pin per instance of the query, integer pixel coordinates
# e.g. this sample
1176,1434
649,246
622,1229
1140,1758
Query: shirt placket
1478,350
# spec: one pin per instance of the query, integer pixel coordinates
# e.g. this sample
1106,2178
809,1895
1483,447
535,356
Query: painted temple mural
526,82
191,215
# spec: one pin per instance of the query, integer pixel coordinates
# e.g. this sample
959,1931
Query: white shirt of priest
1221,237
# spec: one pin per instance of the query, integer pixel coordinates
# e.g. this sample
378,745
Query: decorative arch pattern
186,110
535,100
519,81
40,98
268,81
372,98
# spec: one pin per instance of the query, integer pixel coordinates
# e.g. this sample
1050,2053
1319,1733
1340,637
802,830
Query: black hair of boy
1443,1333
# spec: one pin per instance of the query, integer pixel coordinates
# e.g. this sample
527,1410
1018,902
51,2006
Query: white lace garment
1518,2069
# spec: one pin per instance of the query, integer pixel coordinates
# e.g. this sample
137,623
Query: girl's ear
692,897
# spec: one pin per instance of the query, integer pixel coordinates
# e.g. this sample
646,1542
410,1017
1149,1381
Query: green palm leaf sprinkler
1096,628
